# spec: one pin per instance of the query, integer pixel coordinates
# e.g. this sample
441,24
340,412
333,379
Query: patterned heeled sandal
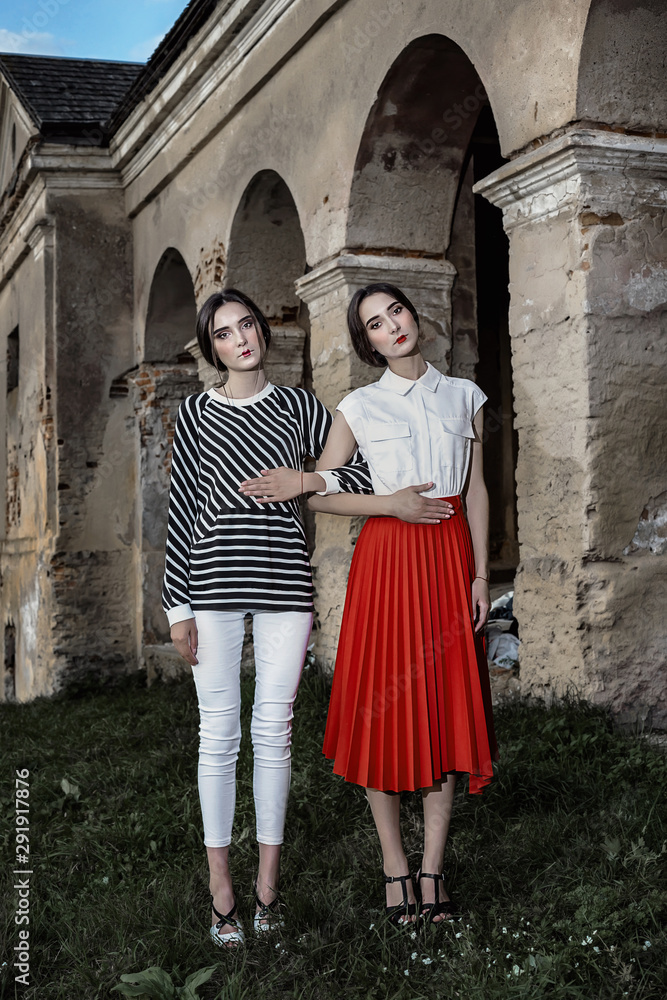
427,911
268,917
398,914
234,938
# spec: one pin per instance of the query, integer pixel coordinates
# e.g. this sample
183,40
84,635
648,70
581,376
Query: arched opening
429,137
166,376
266,255
170,320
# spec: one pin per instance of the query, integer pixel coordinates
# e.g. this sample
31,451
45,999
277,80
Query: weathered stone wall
27,445
586,218
94,562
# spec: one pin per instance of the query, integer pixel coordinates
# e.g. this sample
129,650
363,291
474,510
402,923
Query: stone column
327,291
586,218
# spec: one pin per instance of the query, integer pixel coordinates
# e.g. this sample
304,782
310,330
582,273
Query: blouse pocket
460,426
390,446
455,441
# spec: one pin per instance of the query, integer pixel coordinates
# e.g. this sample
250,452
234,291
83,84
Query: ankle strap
226,918
403,879
440,877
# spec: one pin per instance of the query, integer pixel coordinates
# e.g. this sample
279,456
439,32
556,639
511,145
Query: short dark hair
206,315
362,345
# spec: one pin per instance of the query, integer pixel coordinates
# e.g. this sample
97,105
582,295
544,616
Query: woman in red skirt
411,705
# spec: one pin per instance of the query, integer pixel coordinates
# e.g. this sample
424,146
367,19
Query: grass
561,863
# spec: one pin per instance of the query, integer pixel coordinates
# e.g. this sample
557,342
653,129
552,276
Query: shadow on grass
560,865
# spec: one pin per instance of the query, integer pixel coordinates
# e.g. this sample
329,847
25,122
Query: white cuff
179,614
332,484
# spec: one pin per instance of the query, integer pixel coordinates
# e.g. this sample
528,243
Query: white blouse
413,432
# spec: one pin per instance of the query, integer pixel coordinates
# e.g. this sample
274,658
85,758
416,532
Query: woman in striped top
228,554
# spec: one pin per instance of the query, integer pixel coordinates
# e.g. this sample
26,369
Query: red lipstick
401,339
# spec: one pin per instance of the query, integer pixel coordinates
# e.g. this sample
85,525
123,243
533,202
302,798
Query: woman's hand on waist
409,505
184,637
279,485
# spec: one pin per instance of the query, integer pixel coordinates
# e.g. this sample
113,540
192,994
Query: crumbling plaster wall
28,504
586,220
96,548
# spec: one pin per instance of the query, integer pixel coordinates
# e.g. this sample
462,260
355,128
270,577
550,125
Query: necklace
230,396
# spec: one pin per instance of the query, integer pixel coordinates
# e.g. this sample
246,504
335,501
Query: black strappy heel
233,938
404,909
427,911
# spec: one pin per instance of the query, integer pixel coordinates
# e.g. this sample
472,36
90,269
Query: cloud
143,50
36,43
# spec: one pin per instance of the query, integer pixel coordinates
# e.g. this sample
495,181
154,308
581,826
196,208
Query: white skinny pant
280,640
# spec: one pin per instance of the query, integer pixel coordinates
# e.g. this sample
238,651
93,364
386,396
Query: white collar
247,401
429,380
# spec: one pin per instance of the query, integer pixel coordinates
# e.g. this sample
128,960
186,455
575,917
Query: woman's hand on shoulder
481,602
409,505
185,639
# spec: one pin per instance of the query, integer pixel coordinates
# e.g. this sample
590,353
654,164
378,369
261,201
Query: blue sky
88,29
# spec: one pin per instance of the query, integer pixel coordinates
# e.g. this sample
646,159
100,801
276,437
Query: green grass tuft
560,864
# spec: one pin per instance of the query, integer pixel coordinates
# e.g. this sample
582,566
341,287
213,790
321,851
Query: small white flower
426,960
504,930
570,938
527,923
595,948
612,947
413,935
515,935
458,934
508,955
371,927
576,964
487,949
647,944
406,972
413,955
384,968
105,879
516,970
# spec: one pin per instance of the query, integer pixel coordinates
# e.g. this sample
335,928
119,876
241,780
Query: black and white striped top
226,551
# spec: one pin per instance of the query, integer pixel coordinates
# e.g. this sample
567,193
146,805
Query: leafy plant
156,984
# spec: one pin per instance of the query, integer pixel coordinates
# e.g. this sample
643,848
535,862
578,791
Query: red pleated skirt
411,699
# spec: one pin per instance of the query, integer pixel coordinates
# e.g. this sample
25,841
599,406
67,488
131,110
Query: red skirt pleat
411,699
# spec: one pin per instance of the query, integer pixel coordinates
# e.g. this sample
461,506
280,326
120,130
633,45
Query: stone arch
170,319
623,65
167,374
410,157
429,137
266,254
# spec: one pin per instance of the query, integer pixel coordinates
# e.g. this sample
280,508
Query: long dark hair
362,345
206,315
